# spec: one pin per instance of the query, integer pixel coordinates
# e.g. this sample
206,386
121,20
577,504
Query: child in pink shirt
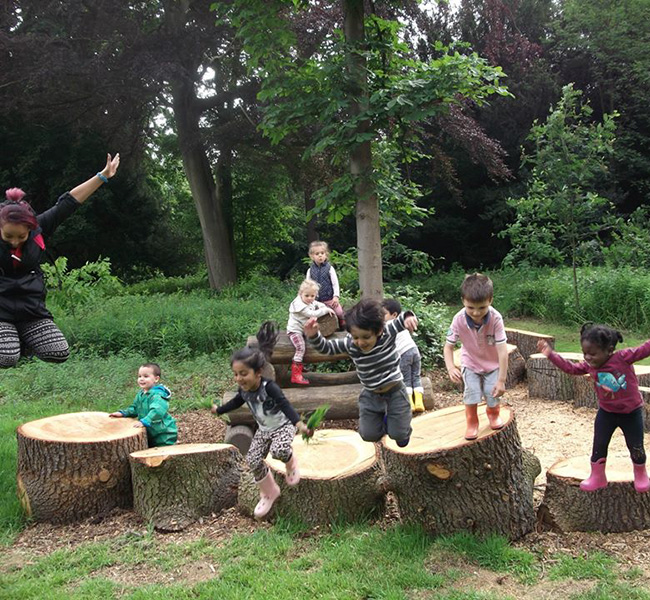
484,353
619,401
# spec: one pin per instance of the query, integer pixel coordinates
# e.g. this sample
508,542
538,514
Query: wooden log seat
343,401
284,350
173,486
616,508
76,465
341,481
545,380
328,324
526,341
283,377
446,484
516,365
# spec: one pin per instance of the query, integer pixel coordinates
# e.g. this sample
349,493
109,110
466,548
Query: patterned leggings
298,341
277,441
41,338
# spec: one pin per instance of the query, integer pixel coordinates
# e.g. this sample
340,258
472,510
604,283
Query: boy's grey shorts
394,404
479,386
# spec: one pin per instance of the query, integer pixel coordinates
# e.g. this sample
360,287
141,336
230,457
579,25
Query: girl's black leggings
632,426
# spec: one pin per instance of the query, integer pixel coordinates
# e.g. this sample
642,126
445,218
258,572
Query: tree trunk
526,341
173,486
284,350
341,481
74,466
545,380
283,375
343,401
616,508
447,484
367,217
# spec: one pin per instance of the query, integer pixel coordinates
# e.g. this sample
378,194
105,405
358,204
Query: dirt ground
551,429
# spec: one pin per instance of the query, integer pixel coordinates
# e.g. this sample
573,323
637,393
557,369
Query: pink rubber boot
292,476
493,417
597,479
641,481
269,491
471,419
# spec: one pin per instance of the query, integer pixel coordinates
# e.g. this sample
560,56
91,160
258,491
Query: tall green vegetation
563,212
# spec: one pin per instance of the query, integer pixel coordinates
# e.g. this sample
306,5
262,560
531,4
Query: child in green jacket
151,407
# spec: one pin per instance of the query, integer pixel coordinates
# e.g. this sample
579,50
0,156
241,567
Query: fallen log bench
284,350
516,365
614,509
341,481
545,380
76,465
174,486
526,341
447,484
343,401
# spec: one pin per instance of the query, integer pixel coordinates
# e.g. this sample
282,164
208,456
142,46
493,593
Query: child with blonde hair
322,272
304,307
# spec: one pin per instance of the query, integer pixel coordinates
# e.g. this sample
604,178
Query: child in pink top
484,355
620,403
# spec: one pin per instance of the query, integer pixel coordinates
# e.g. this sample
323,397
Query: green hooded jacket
152,410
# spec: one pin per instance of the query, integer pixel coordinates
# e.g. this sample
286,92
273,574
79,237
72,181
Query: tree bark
74,466
447,484
217,237
367,212
343,401
341,481
613,509
284,350
526,341
173,486
545,380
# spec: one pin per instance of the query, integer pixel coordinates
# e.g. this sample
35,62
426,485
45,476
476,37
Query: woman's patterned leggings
277,441
41,338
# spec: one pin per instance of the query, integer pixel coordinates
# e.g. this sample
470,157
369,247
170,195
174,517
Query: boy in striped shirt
383,403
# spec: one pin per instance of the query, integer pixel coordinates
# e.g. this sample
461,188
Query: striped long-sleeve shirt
376,368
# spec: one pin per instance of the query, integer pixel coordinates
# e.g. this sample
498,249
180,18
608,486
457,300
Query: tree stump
284,350
173,486
516,366
340,481
526,341
545,380
446,484
240,436
74,466
616,508
343,401
328,324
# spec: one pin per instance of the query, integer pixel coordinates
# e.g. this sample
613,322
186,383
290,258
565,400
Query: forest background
502,132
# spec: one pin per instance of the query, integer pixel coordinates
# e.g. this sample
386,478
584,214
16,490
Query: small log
516,366
240,436
315,378
343,401
328,324
74,466
526,341
173,486
284,350
545,380
447,484
340,481
614,509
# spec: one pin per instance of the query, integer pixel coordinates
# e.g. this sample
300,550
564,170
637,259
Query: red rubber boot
471,416
296,374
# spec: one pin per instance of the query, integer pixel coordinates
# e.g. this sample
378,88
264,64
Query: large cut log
545,380
616,508
284,350
283,377
343,401
526,341
328,324
74,466
341,481
516,365
240,436
173,486
447,484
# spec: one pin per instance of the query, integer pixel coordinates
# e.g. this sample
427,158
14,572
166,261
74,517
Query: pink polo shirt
479,350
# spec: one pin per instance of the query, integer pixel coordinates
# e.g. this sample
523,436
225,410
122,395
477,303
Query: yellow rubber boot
418,401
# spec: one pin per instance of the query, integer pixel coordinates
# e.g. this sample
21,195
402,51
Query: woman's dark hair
16,210
603,336
255,358
367,314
